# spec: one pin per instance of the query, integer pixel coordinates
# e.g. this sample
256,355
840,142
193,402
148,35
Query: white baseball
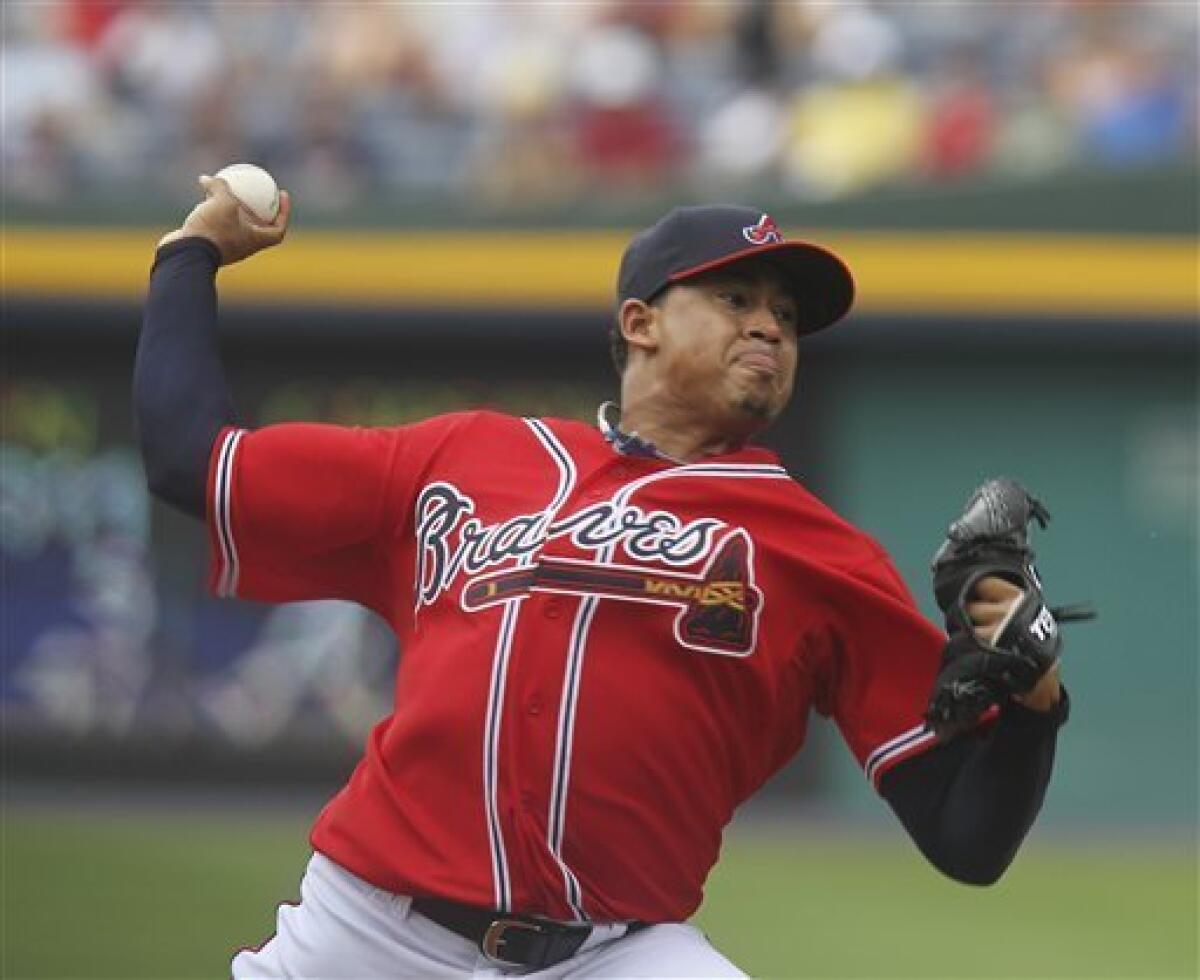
254,188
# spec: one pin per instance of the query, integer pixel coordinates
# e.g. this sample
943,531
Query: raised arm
180,396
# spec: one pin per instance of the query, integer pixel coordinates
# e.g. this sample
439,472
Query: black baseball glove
991,538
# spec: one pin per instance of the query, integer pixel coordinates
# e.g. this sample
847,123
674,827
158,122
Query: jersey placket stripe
223,512
502,885
575,655
562,752
498,684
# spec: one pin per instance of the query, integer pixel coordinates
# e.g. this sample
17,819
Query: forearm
180,395
969,804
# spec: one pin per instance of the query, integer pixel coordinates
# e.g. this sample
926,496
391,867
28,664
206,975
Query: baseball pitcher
612,634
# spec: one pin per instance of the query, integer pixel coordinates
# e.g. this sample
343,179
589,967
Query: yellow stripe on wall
909,273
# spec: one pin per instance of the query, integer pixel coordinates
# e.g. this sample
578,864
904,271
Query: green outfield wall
1109,441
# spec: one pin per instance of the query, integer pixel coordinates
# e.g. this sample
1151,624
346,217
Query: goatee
756,408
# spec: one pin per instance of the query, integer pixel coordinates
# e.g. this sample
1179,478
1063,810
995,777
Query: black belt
511,940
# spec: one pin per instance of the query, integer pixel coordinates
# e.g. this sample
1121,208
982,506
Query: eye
735,299
785,314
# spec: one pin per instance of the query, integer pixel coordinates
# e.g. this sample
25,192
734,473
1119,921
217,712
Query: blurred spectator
84,22
859,124
162,57
961,121
1033,135
1125,94
623,134
513,103
743,138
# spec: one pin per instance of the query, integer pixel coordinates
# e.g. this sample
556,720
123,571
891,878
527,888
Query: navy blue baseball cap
693,240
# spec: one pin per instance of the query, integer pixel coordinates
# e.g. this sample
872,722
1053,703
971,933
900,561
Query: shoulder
489,434
839,541
819,514
472,423
569,433
487,418
572,430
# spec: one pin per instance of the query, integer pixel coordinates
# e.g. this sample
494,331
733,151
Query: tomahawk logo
766,232
718,607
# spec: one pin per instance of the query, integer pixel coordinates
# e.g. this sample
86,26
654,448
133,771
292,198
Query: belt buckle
494,938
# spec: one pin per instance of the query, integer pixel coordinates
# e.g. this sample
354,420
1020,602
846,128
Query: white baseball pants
345,928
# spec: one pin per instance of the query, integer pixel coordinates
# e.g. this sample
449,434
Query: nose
764,326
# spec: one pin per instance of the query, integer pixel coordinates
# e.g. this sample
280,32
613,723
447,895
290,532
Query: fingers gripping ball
991,539
223,219
254,188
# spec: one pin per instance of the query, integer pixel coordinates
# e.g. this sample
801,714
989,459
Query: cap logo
765,232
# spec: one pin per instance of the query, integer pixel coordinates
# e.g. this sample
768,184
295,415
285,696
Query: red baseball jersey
602,655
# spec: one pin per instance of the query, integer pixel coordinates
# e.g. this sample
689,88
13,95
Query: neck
675,430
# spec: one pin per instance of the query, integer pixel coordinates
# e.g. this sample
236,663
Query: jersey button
535,705
553,609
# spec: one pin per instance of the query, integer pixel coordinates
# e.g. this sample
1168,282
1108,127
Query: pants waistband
513,940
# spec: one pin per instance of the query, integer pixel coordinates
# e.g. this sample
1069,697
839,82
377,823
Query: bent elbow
175,488
158,477
981,875
980,870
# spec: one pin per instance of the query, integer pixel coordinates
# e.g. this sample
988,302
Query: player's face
727,344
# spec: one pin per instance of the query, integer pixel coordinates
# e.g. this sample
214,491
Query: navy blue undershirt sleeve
181,399
969,804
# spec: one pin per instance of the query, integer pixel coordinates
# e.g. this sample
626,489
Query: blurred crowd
511,102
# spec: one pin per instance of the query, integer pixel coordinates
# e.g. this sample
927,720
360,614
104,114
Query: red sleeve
304,512
887,657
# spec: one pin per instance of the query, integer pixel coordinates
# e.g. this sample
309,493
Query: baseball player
611,635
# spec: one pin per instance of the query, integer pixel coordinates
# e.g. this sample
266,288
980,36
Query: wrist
187,235
1016,717
175,244
1044,695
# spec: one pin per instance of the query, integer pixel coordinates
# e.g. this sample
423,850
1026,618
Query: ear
638,322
